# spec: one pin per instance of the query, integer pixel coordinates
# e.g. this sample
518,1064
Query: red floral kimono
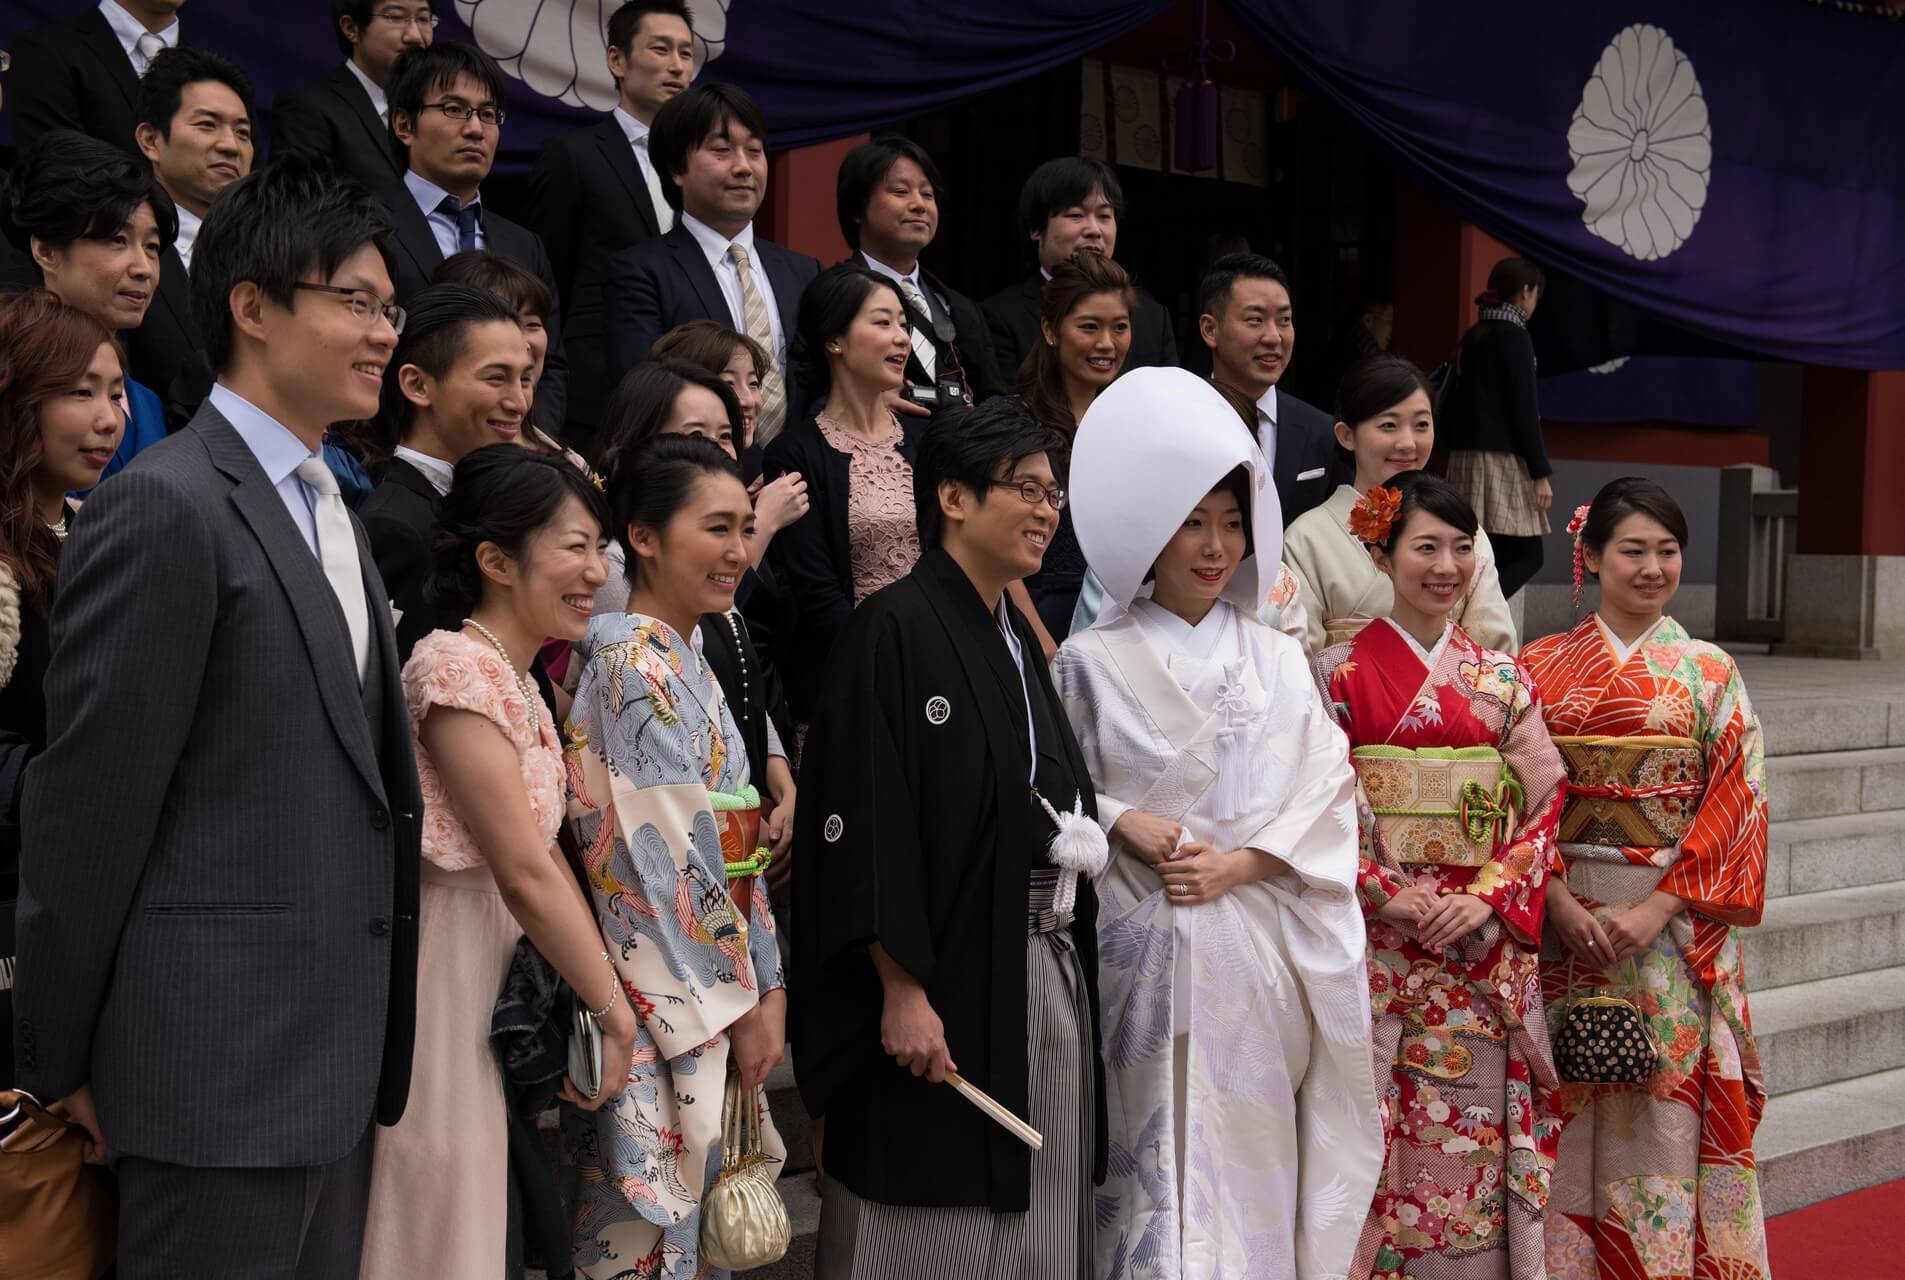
1657,1181
1471,1114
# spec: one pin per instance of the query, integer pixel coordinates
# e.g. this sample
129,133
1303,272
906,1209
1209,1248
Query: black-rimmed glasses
1033,493
461,112
364,304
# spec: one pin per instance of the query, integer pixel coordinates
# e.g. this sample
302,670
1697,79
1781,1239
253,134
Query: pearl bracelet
615,991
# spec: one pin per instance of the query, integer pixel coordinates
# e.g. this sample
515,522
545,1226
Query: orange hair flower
1375,514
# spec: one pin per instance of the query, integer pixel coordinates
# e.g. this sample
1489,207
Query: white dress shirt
1267,424
439,473
637,134
378,101
428,196
715,246
134,38
189,223
278,452
895,274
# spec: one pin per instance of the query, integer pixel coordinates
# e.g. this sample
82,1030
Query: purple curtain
1735,169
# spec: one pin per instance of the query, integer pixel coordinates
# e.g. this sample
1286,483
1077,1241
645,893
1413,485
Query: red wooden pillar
799,210
1441,264
1852,463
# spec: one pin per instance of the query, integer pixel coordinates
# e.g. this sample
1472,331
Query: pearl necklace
61,529
523,684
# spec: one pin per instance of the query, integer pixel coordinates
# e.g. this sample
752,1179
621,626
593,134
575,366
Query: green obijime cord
733,801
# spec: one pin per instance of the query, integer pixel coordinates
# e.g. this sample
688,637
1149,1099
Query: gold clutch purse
1446,806
743,1218
1639,792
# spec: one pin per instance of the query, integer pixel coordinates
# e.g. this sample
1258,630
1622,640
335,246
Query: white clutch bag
585,1052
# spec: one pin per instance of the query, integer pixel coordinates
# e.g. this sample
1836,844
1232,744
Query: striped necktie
923,349
755,321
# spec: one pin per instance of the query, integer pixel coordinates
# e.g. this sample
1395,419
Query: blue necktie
465,216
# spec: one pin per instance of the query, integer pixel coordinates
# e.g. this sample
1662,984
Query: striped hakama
864,1240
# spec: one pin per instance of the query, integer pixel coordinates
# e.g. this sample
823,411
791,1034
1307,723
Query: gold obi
1444,805
1639,792
1342,630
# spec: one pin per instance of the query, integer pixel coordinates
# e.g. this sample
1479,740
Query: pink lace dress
882,531
440,1178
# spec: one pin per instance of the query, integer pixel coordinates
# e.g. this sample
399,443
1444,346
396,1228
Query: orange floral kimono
1471,1112
1657,1181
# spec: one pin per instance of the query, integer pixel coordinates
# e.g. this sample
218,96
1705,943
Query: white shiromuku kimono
1341,587
1245,1138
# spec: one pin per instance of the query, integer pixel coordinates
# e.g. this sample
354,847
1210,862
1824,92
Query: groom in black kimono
934,933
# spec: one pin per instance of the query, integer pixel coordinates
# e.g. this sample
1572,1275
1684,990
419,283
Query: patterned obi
1342,630
737,817
1449,806
1639,792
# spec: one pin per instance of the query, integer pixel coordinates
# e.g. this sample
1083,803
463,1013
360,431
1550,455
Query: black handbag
1605,1040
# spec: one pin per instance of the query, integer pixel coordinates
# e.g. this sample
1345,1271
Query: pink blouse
882,528
450,669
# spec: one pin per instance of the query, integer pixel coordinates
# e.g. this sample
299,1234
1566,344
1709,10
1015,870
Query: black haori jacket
917,829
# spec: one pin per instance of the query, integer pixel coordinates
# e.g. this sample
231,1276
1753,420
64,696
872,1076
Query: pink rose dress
439,1179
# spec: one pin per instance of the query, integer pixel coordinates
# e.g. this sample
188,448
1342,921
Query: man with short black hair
938,933
887,200
345,116
1246,319
195,126
83,72
217,970
1071,205
709,145
446,112
596,191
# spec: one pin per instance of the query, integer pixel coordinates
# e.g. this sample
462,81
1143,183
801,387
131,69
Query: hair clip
1375,514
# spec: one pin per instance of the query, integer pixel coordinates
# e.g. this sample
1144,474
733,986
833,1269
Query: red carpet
1848,1237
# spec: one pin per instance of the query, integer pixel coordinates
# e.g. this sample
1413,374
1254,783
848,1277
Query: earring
833,349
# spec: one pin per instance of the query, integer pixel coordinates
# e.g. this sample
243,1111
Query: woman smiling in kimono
1242,1109
1463,788
1664,836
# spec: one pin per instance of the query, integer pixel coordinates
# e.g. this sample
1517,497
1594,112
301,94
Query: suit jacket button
379,926
380,819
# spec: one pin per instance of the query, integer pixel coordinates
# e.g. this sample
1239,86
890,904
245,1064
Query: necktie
464,215
923,349
664,216
337,552
754,320
145,49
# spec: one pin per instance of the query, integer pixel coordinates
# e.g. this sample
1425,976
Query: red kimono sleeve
1722,867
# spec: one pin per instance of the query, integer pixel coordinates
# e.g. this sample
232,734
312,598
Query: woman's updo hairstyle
1630,496
501,493
1375,385
648,487
827,308
1431,493
1507,278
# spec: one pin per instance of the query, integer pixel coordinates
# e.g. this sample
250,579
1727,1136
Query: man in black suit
455,383
195,126
446,111
344,116
596,191
1248,324
887,200
710,147
1071,205
83,73
217,966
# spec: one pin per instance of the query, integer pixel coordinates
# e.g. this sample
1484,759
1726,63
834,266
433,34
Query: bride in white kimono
1245,1140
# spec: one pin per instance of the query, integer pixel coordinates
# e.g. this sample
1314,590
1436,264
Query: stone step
1845,851
1827,783
1831,1139
1816,1033
1808,936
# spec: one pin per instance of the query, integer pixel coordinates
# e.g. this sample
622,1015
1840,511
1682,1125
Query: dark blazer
663,282
1304,468
73,74
972,345
1013,314
418,255
588,202
1493,407
400,519
222,935
333,118
166,351
813,556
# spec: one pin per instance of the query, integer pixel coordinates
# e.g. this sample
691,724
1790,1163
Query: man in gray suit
218,905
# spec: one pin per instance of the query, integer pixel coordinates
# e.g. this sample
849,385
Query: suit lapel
414,236
779,265
175,292
358,104
104,46
320,618
620,158
694,264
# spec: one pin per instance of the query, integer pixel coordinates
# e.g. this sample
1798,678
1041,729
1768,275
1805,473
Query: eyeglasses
364,304
462,111
1033,493
398,18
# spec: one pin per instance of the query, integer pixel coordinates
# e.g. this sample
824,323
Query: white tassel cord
1232,797
1078,847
